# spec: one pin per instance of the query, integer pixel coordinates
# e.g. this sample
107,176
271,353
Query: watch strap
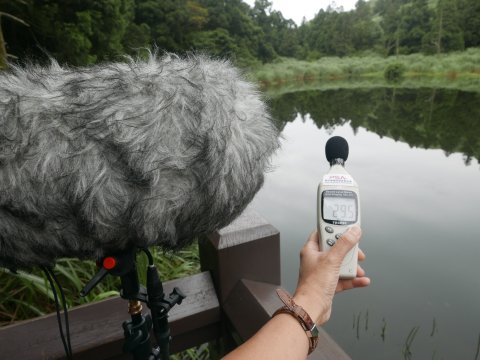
301,315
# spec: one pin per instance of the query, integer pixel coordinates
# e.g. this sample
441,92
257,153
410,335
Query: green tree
329,33
217,14
389,10
415,24
341,34
73,31
170,24
287,40
167,21
279,34
337,33
197,15
366,34
216,42
236,19
446,34
3,45
469,13
138,37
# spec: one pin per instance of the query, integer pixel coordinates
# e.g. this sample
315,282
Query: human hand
319,274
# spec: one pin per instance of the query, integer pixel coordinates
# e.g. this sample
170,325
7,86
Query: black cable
65,310
149,256
66,346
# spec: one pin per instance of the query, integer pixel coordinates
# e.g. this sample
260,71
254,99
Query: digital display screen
339,208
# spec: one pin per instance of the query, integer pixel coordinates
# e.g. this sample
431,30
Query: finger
353,283
346,242
361,281
361,255
360,271
313,241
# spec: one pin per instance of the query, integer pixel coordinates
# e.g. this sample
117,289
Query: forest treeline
426,117
80,32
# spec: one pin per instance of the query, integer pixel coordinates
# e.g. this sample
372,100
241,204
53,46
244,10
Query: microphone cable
149,256
65,338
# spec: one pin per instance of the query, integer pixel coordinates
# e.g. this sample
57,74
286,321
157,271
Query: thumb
346,242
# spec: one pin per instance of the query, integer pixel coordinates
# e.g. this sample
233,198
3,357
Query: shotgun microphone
97,160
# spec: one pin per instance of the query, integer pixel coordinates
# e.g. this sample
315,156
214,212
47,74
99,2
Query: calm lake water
415,156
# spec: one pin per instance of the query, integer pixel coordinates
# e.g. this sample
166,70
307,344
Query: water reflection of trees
427,118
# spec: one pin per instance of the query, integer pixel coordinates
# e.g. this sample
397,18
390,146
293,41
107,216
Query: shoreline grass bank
453,70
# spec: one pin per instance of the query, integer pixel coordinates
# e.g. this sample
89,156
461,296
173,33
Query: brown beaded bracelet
301,315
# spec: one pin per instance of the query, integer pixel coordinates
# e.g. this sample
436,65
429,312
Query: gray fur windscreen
147,152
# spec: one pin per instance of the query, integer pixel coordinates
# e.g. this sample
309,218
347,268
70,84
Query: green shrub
394,72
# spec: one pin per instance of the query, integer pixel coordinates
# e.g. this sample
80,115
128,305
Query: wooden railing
225,304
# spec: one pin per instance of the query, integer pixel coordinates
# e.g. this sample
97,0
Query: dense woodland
81,32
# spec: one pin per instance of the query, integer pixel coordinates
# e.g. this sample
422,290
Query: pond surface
414,154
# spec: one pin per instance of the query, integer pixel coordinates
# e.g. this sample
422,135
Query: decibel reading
339,208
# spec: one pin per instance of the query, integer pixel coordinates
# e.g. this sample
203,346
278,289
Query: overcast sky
297,9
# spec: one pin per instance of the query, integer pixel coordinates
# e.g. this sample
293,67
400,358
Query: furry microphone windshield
105,158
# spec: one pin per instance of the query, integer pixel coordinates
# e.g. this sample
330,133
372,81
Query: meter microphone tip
336,148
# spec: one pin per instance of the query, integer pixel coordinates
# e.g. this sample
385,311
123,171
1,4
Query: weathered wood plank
96,329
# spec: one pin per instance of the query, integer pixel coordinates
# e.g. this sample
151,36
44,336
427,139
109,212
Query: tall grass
407,347
26,295
477,353
447,67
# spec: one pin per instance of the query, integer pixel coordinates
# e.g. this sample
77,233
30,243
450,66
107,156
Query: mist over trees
80,32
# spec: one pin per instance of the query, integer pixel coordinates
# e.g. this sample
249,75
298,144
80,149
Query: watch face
339,207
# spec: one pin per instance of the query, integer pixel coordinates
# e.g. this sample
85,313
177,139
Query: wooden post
249,248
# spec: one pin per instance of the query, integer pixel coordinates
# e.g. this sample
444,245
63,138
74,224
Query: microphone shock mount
137,329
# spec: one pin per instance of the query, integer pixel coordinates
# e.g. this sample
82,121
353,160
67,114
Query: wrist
313,306
298,312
